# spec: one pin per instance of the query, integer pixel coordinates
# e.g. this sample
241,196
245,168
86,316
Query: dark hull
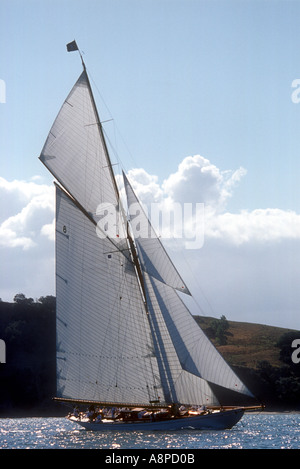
213,421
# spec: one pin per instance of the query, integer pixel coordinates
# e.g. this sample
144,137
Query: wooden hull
214,421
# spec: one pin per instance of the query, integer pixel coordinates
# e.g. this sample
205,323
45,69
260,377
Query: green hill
248,344
262,356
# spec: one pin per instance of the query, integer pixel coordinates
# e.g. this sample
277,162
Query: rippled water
260,431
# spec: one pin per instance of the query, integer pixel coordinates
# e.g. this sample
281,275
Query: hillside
260,355
247,343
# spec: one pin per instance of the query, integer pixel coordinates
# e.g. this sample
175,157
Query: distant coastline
260,355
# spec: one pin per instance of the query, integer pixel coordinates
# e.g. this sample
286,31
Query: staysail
185,354
123,333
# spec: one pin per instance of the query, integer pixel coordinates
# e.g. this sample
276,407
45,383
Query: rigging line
142,324
153,231
139,354
82,283
107,120
115,125
101,135
197,284
85,105
113,149
141,286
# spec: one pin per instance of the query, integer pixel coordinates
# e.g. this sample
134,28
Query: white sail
154,259
179,384
104,345
190,346
123,334
76,154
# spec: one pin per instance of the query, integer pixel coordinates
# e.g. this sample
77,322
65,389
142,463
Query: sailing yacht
127,346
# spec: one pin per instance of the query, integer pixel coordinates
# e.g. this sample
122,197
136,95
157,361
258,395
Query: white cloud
26,239
145,185
48,230
248,266
24,190
260,225
30,205
199,181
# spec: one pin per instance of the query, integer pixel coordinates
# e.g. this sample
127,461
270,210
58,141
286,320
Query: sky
202,105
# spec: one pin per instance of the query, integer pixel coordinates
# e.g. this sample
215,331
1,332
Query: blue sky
180,78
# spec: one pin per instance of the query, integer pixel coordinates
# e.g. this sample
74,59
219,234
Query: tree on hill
48,302
218,330
20,298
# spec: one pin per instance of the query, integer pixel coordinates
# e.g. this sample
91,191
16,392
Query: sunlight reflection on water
260,431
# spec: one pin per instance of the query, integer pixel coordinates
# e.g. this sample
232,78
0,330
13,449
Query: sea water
255,431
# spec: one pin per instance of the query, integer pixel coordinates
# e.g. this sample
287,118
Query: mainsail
104,346
123,333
